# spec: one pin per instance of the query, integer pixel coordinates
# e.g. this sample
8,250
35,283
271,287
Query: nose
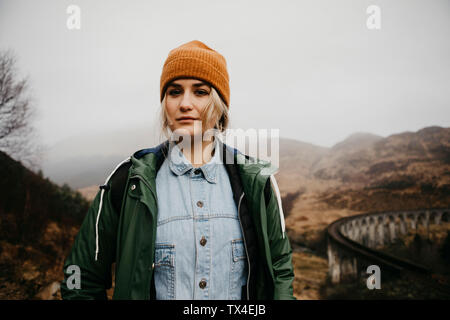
186,101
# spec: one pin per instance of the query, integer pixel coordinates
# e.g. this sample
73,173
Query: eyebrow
198,84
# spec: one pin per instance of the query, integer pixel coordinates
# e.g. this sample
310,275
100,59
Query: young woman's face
185,101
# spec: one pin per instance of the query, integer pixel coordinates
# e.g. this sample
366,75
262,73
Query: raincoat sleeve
87,268
280,247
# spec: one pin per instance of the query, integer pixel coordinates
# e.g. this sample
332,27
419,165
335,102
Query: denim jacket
199,250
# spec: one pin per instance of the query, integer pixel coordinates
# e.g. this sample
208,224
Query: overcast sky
310,68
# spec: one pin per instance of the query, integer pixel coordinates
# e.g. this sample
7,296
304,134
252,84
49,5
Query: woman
182,221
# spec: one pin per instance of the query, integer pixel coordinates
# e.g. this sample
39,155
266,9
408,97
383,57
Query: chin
184,130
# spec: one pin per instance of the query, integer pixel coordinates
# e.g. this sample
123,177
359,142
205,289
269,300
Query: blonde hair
216,110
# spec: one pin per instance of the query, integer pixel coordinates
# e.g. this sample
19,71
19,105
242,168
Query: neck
199,154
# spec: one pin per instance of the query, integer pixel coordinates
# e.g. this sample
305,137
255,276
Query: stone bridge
353,241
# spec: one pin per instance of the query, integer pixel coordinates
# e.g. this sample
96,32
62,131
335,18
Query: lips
186,118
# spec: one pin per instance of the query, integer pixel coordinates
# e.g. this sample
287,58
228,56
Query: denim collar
180,165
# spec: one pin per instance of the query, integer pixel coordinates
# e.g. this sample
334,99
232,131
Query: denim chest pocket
164,271
238,268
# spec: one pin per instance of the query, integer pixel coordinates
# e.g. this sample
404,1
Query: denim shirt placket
200,208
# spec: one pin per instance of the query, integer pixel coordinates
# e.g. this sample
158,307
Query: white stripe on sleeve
280,208
101,204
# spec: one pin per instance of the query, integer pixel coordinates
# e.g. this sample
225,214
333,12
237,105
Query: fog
312,69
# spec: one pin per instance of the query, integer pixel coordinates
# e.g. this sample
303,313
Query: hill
364,173
38,223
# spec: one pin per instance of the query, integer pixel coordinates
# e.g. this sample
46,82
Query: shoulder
155,150
120,169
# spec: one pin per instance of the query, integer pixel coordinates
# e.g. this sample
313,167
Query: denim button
202,284
203,241
199,204
197,171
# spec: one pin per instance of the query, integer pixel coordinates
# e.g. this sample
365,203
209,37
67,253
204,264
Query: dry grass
310,274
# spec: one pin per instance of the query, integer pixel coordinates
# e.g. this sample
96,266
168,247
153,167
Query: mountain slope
38,222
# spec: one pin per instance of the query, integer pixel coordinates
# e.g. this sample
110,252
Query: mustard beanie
196,60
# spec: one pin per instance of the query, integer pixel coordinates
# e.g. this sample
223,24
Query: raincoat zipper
245,244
